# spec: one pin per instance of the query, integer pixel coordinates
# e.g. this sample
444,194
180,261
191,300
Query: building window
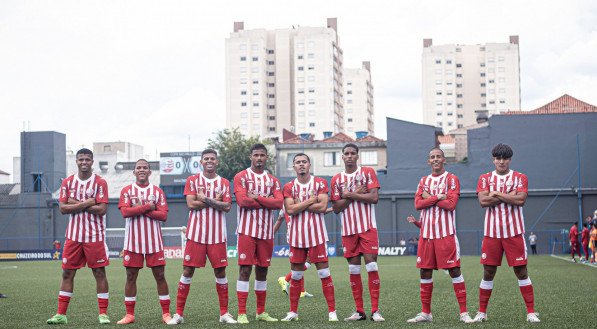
449,124
482,74
458,65
270,74
254,46
243,92
438,61
272,129
501,58
449,61
483,104
311,78
349,119
301,91
459,106
458,95
483,94
311,68
300,57
256,115
243,58
242,46
270,51
459,116
491,81
272,117
255,82
301,102
368,158
271,107
271,84
459,75
243,104
482,64
349,101
311,102
254,69
460,126
438,93
311,55
331,159
349,92
270,62
243,81
481,48
459,85
243,70
482,84
439,124
255,59
502,101
349,83
271,96
492,102
311,124
311,90
450,114
439,114
502,90
300,79
255,104
301,68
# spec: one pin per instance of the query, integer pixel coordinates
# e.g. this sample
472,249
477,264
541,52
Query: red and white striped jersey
359,216
306,229
503,220
143,232
207,225
84,226
438,217
256,218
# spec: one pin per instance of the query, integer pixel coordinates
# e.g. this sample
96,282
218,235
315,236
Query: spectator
411,246
57,245
533,242
402,242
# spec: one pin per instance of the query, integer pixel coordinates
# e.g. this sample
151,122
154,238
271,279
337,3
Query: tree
234,151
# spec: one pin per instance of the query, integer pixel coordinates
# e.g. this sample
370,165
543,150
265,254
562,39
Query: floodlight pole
579,189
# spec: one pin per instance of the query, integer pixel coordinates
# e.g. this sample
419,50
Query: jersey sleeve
189,187
482,184
322,186
125,199
371,177
420,202
523,184
335,189
287,191
64,191
226,197
102,191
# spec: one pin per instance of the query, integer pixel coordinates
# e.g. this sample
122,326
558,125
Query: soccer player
305,201
258,194
573,236
208,198
593,241
584,238
354,195
436,197
84,197
144,207
502,193
284,281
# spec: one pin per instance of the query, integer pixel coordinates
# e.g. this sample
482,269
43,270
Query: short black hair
258,146
209,151
84,151
502,151
354,146
148,164
301,155
437,148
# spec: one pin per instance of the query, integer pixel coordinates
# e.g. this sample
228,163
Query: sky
153,72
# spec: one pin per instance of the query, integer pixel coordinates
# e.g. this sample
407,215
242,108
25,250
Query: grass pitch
564,295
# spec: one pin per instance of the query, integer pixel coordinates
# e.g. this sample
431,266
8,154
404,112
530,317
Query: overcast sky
152,72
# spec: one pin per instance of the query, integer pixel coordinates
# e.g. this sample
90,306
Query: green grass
563,292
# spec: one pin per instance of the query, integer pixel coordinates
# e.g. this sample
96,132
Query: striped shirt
143,232
306,229
84,226
207,225
503,220
256,218
359,216
438,216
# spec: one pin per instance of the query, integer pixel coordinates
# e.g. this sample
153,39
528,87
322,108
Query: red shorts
492,250
76,254
196,254
254,251
315,254
441,253
133,259
360,243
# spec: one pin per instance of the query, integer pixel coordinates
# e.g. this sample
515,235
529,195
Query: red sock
165,304
295,294
356,285
288,277
181,297
102,304
222,290
426,292
327,285
484,295
374,290
63,304
261,296
460,291
242,301
130,307
302,284
529,297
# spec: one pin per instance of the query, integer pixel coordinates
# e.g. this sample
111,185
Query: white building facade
285,78
358,101
462,81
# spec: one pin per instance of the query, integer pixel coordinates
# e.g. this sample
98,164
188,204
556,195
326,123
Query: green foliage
564,295
234,151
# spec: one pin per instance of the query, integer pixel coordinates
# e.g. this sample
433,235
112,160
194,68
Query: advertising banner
175,167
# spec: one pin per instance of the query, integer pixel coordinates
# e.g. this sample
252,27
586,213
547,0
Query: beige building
461,81
284,79
326,154
358,101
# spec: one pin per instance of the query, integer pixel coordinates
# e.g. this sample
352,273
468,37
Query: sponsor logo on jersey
101,192
90,192
453,184
187,257
483,182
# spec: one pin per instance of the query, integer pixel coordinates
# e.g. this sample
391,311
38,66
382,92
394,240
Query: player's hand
90,202
411,219
151,205
252,196
513,192
425,195
328,210
219,196
72,201
441,197
361,189
494,194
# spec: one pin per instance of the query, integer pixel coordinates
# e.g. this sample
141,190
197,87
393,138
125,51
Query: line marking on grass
570,261
7,267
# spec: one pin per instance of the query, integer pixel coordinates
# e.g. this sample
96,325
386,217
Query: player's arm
514,198
279,221
364,195
215,203
451,197
242,198
73,208
159,209
487,200
412,219
321,206
98,209
275,202
424,200
292,207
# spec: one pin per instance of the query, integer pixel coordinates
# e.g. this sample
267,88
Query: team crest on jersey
358,177
269,183
151,198
242,256
127,258
89,192
509,183
442,186
72,194
187,257
483,255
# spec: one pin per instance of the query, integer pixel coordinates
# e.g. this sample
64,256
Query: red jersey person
503,193
574,246
84,197
144,207
354,195
208,199
436,197
584,238
258,194
305,201
284,281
